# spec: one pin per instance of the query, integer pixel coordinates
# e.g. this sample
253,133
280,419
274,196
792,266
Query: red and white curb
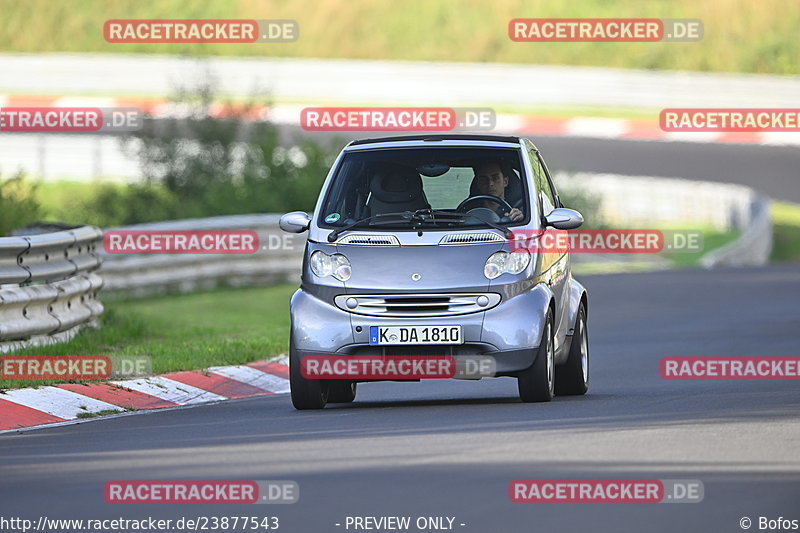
25,408
592,127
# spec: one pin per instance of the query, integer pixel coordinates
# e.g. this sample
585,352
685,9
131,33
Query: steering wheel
503,203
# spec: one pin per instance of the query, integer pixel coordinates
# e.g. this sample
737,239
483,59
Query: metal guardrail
48,286
639,201
753,247
278,260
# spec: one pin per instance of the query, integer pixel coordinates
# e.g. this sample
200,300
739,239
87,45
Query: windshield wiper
408,215
507,232
416,216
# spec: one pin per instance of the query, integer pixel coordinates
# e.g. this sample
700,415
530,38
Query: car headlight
335,265
506,262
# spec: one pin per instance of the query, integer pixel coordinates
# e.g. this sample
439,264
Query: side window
548,186
546,196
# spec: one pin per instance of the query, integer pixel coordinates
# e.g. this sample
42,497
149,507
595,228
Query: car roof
439,137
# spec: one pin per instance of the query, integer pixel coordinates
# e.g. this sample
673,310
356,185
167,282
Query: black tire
341,391
537,383
572,378
306,393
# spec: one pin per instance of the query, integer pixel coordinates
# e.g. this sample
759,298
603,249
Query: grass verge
712,239
740,35
185,332
785,232
101,413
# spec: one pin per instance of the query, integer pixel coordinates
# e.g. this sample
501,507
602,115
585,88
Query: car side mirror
295,222
563,218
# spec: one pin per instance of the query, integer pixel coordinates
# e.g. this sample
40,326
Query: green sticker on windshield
333,217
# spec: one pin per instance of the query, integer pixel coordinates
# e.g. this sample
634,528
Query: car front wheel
537,383
342,391
306,393
572,378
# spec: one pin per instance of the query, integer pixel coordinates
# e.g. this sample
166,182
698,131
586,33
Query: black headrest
396,184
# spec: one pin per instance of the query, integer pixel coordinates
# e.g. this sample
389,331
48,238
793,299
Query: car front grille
417,305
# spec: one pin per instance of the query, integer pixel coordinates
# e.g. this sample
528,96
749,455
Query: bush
111,204
203,166
18,204
586,204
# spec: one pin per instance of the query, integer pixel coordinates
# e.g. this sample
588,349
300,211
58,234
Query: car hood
409,268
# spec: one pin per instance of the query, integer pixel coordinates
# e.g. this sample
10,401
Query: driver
490,179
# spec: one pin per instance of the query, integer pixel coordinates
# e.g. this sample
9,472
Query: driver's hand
515,214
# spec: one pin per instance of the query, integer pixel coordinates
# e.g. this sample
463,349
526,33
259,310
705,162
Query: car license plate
415,335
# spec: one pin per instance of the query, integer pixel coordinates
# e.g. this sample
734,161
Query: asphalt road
772,170
451,448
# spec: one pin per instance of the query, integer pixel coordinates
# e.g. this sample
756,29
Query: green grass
66,200
105,412
712,239
606,267
740,35
61,200
786,232
186,332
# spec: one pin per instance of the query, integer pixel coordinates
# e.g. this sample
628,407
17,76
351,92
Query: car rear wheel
572,378
341,391
537,383
306,393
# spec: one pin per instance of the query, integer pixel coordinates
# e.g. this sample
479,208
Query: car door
555,262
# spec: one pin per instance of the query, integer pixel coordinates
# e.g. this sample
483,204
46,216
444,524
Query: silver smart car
409,254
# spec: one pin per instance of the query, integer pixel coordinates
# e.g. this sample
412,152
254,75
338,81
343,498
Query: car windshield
382,182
